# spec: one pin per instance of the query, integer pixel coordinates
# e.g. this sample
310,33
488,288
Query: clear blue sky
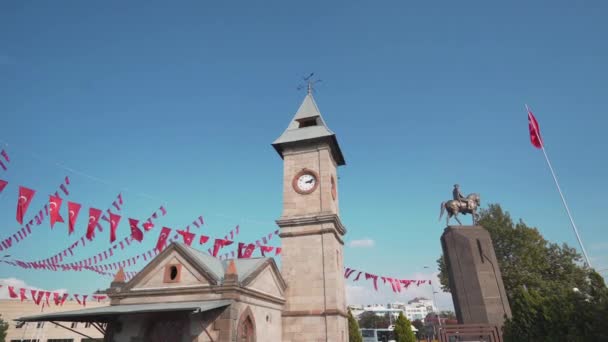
181,101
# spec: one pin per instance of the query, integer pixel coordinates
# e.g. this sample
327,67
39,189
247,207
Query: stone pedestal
475,280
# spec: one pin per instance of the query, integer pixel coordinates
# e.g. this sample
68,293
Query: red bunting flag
245,251
22,294
220,243
12,293
188,237
54,206
73,210
162,238
114,220
277,250
25,198
535,137
3,184
136,233
348,272
37,296
266,249
5,155
203,239
94,215
148,225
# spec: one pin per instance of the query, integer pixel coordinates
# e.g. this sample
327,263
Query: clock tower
311,230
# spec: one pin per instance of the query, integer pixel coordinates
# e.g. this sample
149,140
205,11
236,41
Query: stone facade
312,244
258,296
475,280
11,309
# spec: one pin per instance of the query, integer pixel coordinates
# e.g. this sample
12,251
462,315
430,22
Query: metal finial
310,82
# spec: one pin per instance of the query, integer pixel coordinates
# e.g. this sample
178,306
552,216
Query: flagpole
561,194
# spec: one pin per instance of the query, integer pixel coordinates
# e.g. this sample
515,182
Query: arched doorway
246,327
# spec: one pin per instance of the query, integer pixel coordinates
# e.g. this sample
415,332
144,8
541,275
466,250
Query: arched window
246,332
246,328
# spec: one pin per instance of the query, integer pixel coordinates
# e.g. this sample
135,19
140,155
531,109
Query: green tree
354,334
369,320
552,296
421,333
3,329
403,330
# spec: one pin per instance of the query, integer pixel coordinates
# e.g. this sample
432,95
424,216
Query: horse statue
468,205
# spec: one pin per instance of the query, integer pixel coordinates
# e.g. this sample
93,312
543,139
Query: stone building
11,309
186,295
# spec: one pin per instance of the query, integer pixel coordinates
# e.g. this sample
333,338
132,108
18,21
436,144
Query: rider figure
459,197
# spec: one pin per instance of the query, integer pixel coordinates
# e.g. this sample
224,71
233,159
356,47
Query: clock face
305,182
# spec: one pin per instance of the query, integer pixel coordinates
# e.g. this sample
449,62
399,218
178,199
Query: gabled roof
309,111
212,268
244,267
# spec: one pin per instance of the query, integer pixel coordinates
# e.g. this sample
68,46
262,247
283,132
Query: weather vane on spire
310,82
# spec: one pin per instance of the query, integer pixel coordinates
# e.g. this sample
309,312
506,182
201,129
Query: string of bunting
59,298
23,202
396,284
53,263
58,257
131,261
248,249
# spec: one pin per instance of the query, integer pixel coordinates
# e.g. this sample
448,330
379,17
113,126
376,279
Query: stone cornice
321,313
199,290
310,220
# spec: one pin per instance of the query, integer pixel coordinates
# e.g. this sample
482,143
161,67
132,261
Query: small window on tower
307,122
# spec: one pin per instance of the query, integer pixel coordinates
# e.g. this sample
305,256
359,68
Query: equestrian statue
461,204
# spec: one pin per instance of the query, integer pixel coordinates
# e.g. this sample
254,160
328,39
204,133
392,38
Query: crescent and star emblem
53,205
71,213
24,199
91,219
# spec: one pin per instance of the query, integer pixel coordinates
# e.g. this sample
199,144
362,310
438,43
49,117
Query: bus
378,335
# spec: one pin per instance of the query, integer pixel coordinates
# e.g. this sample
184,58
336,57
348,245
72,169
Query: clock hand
309,181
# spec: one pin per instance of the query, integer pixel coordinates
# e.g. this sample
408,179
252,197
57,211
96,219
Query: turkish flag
136,233
3,184
203,239
73,210
535,137
12,293
37,296
148,224
218,244
240,250
114,220
94,215
25,198
249,251
188,237
162,238
266,249
54,206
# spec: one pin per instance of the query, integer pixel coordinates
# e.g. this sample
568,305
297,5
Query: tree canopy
369,320
403,330
354,334
3,329
553,296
